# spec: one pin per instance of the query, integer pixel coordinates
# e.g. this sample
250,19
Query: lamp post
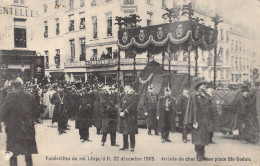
216,21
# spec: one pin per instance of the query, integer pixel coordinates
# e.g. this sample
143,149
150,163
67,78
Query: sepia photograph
129,82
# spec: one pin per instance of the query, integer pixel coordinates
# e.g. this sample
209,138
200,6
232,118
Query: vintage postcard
129,82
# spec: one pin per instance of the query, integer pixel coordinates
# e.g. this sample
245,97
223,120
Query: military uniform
151,109
165,112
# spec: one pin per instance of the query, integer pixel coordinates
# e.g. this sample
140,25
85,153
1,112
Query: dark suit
128,124
181,105
18,113
151,109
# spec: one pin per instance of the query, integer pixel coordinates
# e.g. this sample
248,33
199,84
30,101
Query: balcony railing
123,61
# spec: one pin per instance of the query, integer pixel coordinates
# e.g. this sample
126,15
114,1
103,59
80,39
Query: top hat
197,81
245,88
55,86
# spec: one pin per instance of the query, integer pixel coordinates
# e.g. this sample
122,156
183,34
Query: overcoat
166,118
151,109
98,107
18,113
84,113
200,110
128,123
109,115
62,103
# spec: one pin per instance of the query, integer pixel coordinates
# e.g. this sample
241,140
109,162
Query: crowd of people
110,110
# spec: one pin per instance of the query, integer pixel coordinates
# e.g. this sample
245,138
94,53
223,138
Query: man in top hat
128,117
181,105
165,114
199,114
151,102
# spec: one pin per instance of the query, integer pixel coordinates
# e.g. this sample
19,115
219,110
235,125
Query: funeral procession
129,82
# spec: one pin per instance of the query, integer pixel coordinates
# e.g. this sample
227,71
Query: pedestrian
199,114
165,115
181,105
109,120
83,118
151,110
128,117
18,114
61,101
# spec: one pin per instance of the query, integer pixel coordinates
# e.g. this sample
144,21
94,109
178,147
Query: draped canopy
169,37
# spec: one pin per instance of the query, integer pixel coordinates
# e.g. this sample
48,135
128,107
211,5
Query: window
148,1
82,42
221,34
185,56
45,28
240,46
82,23
71,27
222,74
227,36
227,56
20,37
22,1
71,4
94,22
109,24
163,4
232,45
94,56
45,8
93,3
15,1
82,3
57,58
72,49
46,59
57,26
236,45
227,74
109,53
129,2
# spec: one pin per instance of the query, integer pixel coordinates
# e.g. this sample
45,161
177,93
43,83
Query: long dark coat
169,119
98,107
200,110
18,113
75,102
60,110
181,105
128,123
109,115
151,108
84,113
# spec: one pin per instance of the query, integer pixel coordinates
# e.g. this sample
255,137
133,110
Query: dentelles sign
23,12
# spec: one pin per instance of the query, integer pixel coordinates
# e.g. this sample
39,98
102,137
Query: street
67,150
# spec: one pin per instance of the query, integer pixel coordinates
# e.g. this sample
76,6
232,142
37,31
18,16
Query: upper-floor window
57,58
82,3
93,3
227,55
71,4
46,59
57,26
163,4
221,34
71,23
45,28
82,43
148,1
82,23
232,45
45,8
129,2
19,1
227,36
109,24
20,37
236,45
72,49
94,23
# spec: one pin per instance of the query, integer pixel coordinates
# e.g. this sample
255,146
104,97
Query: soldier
181,105
109,119
151,109
61,101
128,117
199,113
165,115
84,115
